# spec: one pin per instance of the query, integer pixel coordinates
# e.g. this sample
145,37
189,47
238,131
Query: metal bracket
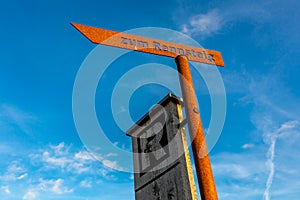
196,110
182,124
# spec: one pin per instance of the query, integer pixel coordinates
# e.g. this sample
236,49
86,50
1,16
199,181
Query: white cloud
237,166
14,172
30,195
273,103
276,119
86,184
111,155
275,122
87,156
106,174
60,157
270,164
60,149
6,189
286,127
22,176
43,172
79,168
238,190
204,24
247,146
236,171
112,164
131,177
54,186
239,175
267,116
15,167
271,139
216,20
11,116
55,161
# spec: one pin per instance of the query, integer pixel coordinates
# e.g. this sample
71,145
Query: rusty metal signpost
182,55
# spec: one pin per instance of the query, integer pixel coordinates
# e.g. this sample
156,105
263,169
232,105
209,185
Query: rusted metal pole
202,163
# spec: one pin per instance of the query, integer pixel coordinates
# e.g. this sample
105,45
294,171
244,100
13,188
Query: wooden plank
168,172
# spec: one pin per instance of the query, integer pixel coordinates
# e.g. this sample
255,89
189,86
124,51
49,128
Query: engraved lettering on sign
156,191
156,46
149,45
153,135
171,194
132,42
143,44
124,40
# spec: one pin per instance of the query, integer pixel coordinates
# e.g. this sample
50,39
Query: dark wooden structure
162,164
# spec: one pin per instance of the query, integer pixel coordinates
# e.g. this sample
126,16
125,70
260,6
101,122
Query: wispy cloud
271,139
248,165
15,171
60,157
204,24
271,166
239,174
107,174
216,20
6,189
30,195
55,186
275,120
267,165
43,172
86,183
247,146
11,116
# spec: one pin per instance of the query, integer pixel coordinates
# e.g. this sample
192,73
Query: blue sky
42,155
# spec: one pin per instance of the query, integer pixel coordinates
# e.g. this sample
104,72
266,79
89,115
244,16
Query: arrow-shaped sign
149,45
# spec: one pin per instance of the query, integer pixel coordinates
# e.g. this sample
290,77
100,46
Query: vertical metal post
202,163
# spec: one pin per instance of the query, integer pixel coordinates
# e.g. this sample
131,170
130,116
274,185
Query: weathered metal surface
201,158
154,180
187,154
149,45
